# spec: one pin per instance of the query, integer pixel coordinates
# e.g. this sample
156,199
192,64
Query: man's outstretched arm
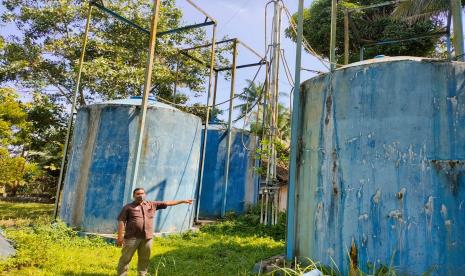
177,202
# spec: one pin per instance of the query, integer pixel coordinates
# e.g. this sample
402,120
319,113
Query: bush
248,224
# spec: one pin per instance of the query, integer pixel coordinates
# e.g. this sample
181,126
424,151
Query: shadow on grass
10,210
229,256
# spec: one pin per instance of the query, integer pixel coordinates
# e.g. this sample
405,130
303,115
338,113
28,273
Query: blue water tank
98,178
381,167
242,186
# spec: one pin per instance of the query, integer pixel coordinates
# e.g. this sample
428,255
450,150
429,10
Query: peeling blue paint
242,187
98,179
381,163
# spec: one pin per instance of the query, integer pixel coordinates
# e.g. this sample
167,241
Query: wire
289,77
235,14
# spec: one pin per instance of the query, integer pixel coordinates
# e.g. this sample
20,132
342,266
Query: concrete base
269,265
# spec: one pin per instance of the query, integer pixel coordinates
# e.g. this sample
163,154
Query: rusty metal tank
98,178
381,167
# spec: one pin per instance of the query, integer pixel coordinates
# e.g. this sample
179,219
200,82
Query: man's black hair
137,189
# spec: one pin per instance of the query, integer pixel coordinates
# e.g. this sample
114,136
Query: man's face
139,196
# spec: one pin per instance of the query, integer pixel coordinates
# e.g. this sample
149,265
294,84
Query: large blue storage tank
98,179
242,185
381,167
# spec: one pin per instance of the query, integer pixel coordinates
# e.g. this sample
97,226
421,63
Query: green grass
231,247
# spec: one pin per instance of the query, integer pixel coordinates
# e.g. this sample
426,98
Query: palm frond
417,10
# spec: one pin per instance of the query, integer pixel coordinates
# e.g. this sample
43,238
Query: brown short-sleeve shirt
139,218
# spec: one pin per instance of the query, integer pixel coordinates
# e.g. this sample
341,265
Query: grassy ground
228,248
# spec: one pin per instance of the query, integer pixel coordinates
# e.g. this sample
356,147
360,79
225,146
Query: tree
422,9
16,170
44,55
370,26
250,96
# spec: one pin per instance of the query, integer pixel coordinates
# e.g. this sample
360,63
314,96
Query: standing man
136,219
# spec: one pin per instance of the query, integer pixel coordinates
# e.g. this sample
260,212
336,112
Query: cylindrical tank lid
140,98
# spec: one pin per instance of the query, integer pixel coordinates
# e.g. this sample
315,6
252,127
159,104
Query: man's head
139,194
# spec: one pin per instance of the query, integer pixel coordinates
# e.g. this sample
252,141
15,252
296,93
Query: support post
274,87
175,88
448,41
292,189
215,89
346,36
332,43
207,119
228,141
145,96
456,10
73,107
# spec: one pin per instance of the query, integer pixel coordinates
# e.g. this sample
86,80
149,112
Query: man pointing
136,220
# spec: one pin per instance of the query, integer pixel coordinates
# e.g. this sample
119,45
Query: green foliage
248,224
31,138
54,249
45,55
371,25
13,117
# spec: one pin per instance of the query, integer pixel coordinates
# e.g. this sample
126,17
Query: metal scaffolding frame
153,35
213,80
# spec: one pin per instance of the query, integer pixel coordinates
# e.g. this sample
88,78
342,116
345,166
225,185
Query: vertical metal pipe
346,36
228,141
275,85
264,114
216,88
362,50
207,119
456,9
448,41
292,191
73,107
175,88
266,205
145,96
332,47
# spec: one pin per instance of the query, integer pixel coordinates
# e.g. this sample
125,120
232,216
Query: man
136,219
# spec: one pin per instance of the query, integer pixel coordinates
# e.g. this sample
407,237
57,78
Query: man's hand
176,202
119,242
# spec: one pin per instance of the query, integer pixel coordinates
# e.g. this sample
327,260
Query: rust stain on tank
335,189
93,123
329,103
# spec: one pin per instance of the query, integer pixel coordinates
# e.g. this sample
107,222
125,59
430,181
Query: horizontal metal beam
144,30
209,44
242,66
188,27
119,17
392,41
195,59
